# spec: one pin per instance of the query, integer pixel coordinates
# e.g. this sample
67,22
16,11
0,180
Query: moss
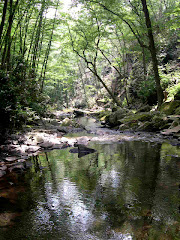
114,118
101,114
66,122
170,107
137,117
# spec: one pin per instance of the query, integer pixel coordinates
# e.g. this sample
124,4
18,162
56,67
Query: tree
152,49
125,17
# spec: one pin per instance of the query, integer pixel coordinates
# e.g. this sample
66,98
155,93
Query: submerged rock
82,150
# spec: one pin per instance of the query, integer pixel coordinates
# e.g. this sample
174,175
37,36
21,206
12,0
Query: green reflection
127,190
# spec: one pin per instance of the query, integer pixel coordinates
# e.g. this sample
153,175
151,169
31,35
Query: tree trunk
3,18
152,49
82,80
7,47
104,85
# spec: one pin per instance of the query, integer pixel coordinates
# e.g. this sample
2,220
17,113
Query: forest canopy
86,53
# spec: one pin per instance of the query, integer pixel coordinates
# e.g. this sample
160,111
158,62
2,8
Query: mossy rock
100,114
151,127
170,107
114,118
159,122
66,122
145,116
146,126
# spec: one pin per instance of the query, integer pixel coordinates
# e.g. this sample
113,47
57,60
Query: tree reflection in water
122,191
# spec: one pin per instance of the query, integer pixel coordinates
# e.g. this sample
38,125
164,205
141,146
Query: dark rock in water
82,150
74,150
66,145
78,113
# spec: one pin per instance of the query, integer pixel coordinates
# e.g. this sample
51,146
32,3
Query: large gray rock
46,145
113,119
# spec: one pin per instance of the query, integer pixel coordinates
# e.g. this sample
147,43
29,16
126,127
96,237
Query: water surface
127,190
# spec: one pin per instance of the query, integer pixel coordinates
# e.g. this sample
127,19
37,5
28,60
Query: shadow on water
122,191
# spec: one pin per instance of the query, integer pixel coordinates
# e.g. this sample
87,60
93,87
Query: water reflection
122,191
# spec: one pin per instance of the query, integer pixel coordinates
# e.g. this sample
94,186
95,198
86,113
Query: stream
128,188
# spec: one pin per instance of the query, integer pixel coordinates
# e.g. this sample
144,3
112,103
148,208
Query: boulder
82,140
145,116
114,118
46,145
66,122
169,108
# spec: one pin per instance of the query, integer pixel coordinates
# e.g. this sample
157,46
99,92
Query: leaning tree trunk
3,17
152,49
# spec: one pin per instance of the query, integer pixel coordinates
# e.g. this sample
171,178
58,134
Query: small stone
11,159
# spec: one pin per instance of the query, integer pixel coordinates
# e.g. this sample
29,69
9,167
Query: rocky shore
50,133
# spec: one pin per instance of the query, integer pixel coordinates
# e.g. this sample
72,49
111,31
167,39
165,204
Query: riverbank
62,130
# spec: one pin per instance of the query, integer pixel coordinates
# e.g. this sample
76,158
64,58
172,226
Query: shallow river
124,190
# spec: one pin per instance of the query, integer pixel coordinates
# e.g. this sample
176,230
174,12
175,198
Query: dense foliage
26,35
95,53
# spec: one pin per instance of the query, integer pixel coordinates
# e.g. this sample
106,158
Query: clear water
124,190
